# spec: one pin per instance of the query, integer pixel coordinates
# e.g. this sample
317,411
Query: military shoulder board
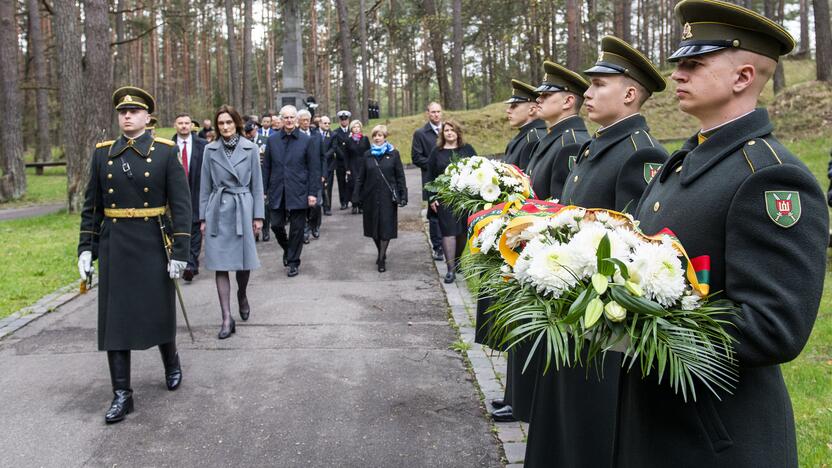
164,141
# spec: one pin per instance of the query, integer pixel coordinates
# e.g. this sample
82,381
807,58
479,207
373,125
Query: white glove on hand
84,264
175,268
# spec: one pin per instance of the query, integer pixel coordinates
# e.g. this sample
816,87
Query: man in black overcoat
133,181
734,194
292,169
424,141
340,150
328,162
190,154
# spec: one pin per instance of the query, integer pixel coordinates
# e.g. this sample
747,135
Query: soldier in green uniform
574,409
522,115
559,102
134,181
732,193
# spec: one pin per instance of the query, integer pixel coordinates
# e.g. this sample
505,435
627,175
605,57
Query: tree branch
136,38
48,7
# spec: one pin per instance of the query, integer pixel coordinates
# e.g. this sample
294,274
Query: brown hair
379,129
440,141
235,116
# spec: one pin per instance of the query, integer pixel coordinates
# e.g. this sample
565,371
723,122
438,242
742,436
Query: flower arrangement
569,278
475,183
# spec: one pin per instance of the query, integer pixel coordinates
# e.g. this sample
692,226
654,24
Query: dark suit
328,164
719,198
195,151
340,152
527,136
292,169
424,141
314,213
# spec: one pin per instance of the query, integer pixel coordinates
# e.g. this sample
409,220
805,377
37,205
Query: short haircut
182,114
643,93
440,141
266,115
432,103
379,129
235,116
304,113
356,122
290,107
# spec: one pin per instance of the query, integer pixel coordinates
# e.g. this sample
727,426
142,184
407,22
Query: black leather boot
173,369
120,377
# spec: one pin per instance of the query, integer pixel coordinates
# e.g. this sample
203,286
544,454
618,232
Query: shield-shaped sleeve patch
783,207
650,171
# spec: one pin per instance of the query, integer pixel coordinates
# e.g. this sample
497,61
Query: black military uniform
741,198
573,419
530,133
552,157
133,183
340,147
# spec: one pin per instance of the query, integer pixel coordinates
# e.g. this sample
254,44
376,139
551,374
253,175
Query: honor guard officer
559,101
132,181
522,114
574,409
737,197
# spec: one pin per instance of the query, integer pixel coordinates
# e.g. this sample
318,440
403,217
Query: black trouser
313,217
330,180
293,244
266,221
435,234
196,247
344,192
119,362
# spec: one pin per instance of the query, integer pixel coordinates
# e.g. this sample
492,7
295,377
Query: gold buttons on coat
109,176
145,204
575,179
679,169
147,174
146,190
152,148
149,160
586,153
146,218
113,205
115,220
751,143
656,206
109,163
110,191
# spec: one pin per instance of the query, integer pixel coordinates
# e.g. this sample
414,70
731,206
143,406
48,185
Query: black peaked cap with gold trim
131,97
521,92
153,121
619,58
560,78
712,25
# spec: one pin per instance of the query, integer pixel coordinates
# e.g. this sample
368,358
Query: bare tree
823,37
456,101
248,65
365,60
43,145
803,48
13,178
435,31
97,70
621,19
347,63
233,59
573,36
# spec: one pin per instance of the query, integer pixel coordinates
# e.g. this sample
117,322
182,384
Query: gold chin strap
133,212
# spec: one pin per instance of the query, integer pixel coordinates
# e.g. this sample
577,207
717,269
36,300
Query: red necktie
185,156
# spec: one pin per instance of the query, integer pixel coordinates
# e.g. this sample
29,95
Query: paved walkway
30,211
340,366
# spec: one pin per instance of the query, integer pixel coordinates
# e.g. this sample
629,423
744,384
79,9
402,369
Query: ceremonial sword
167,243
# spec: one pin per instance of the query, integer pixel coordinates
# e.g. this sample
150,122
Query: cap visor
601,69
515,99
130,106
548,88
692,51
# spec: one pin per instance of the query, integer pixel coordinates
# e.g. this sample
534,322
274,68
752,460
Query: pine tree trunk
233,59
436,38
248,53
823,37
458,89
43,145
391,60
573,45
365,59
347,63
13,177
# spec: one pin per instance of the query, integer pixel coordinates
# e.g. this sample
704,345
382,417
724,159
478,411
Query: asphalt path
341,366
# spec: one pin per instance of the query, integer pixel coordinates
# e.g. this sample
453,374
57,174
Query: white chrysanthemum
569,218
490,235
490,192
657,269
552,269
484,175
629,237
584,247
691,301
529,252
602,216
509,181
531,232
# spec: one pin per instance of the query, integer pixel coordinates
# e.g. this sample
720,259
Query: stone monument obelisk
292,91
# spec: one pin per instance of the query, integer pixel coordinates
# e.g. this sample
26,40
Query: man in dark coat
561,96
732,193
190,155
522,114
328,162
574,408
314,214
132,181
424,141
292,169
340,150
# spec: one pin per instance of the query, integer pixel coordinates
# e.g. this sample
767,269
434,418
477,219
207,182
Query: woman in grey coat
231,211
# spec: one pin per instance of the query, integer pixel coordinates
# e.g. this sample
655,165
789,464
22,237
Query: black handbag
393,192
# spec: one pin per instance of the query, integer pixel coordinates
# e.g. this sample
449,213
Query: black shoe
381,266
343,206
245,309
504,414
285,259
226,332
266,235
437,254
188,275
122,405
173,368
360,210
293,271
327,212
498,403
354,209
174,378
450,277
316,233
257,238
305,237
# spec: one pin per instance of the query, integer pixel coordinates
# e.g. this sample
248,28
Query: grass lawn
47,188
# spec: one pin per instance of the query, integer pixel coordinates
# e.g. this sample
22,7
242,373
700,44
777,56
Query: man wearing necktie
190,150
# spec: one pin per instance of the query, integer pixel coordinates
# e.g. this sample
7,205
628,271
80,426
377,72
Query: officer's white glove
176,267
84,264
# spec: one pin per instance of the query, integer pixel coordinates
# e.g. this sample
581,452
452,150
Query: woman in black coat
450,147
380,188
357,147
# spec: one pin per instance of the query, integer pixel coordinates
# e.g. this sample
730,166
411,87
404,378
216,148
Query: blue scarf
379,151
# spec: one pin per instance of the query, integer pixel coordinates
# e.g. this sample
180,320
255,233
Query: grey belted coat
230,198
